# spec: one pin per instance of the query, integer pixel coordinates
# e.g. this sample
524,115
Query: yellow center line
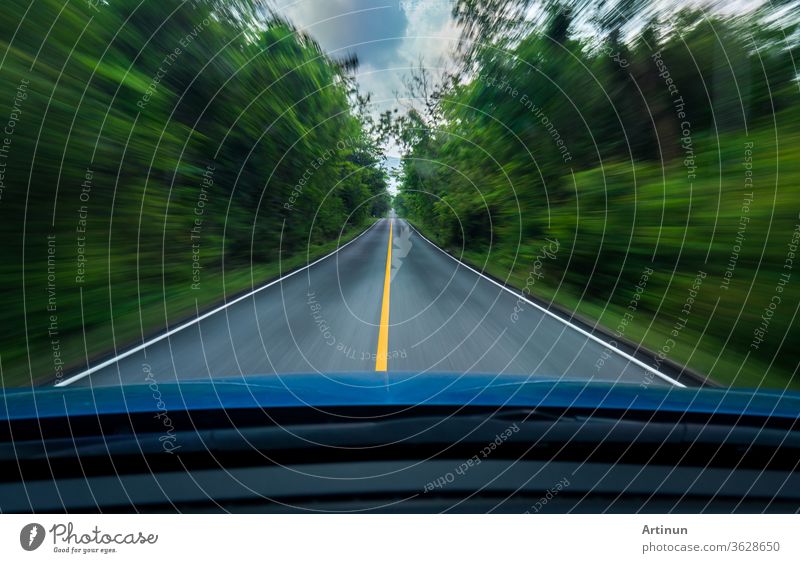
381,358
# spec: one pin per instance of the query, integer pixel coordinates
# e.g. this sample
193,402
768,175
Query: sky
388,36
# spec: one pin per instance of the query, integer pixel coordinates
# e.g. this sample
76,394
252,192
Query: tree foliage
158,145
636,145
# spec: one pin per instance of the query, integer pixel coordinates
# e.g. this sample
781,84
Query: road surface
389,300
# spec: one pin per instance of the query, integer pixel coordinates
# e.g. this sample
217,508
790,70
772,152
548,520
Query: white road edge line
196,320
545,311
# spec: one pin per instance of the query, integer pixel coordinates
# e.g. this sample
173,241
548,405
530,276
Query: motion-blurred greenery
549,133
121,114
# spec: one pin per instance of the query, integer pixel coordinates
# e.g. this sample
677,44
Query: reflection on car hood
371,389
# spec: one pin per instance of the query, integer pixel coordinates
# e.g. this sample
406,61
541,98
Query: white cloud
372,29
388,36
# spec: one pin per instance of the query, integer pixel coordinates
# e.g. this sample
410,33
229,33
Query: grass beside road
156,309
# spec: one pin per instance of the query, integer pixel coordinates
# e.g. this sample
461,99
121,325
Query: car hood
382,389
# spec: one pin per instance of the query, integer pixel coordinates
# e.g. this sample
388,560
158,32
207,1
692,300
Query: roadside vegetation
638,141
157,157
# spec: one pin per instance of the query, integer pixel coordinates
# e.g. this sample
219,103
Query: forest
659,152
159,157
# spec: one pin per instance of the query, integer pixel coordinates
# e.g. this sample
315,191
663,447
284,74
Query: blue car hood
382,389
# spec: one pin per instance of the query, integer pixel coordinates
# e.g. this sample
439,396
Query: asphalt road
442,317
